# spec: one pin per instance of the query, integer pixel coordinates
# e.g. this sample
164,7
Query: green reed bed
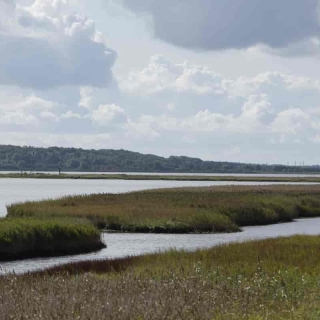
29,237
183,210
269,279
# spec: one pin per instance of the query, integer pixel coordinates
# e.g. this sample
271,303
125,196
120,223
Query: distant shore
195,177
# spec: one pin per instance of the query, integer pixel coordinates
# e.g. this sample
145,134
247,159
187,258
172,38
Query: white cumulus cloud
108,114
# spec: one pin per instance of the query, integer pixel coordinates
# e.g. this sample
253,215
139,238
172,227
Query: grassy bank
27,237
183,210
270,279
195,177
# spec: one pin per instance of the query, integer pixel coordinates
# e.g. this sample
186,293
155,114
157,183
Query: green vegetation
270,279
25,237
71,159
183,210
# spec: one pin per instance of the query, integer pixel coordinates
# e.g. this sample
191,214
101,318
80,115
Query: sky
220,80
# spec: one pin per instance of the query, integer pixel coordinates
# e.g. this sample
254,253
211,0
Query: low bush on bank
269,279
29,237
183,210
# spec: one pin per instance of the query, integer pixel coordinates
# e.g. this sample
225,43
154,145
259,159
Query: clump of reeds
29,237
184,210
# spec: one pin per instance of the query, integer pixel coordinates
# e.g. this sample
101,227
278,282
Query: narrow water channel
121,245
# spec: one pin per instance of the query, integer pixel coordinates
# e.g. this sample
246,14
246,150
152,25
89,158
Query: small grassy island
182,210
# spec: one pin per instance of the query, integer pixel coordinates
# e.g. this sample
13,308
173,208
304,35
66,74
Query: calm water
18,190
121,245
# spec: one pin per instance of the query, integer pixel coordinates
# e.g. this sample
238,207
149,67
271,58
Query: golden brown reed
269,279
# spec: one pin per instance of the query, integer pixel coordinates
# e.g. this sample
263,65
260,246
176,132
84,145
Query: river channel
129,244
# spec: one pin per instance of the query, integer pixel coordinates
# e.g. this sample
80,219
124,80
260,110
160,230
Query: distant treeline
71,159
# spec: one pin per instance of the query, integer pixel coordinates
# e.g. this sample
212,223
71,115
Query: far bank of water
127,244
208,174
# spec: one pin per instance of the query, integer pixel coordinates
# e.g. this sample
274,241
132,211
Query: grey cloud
35,63
225,24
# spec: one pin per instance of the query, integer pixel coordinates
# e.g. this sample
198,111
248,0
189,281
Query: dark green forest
14,158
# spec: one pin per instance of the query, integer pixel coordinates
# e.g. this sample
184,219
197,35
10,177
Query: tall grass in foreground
269,279
184,210
27,237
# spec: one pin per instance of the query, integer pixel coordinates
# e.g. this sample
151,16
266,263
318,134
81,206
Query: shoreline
157,177
56,254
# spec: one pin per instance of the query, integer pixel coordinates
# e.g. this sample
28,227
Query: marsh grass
29,237
183,210
268,279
